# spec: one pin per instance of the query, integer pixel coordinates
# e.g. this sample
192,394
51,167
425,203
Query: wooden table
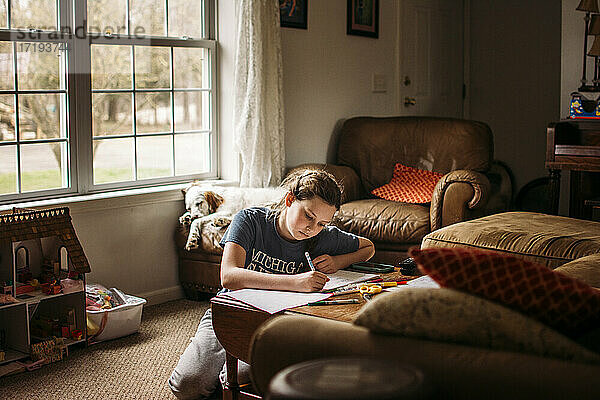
574,145
234,324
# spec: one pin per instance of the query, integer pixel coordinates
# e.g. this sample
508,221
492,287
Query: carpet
134,367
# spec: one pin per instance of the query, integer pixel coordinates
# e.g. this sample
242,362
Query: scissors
369,290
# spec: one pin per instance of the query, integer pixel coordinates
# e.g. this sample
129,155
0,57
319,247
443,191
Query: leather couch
366,152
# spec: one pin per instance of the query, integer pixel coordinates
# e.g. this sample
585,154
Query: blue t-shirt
266,251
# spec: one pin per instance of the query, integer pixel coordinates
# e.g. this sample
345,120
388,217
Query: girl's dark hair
305,185
308,183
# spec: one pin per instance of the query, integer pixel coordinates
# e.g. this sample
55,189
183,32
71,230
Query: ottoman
545,239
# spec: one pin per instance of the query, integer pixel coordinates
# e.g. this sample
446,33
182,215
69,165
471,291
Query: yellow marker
387,284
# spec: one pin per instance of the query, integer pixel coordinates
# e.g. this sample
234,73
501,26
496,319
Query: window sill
116,199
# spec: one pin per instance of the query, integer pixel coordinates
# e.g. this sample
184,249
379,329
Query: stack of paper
273,301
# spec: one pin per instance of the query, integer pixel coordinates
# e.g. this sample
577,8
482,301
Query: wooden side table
574,145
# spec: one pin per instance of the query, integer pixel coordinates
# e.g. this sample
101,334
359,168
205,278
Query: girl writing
264,248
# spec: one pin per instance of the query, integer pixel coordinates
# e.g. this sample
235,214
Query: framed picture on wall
293,13
363,18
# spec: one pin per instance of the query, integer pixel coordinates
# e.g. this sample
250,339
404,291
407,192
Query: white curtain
258,92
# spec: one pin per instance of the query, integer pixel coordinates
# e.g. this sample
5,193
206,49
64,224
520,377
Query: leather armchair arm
353,189
458,196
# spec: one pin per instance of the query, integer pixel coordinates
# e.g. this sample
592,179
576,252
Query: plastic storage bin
115,322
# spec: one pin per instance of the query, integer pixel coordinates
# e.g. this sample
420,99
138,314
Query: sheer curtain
258,92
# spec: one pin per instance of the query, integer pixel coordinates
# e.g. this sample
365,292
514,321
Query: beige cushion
545,239
448,315
384,220
586,269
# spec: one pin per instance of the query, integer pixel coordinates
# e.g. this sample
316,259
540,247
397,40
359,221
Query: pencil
334,302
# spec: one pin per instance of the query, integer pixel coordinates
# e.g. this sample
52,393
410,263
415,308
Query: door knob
406,80
409,101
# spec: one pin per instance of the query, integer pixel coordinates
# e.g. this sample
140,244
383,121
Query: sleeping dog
211,208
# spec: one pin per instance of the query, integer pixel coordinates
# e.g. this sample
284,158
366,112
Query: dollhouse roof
24,224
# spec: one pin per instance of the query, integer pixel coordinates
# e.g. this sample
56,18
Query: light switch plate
379,84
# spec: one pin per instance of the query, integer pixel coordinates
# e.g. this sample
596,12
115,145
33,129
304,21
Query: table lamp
589,6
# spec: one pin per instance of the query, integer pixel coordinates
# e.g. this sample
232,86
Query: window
105,94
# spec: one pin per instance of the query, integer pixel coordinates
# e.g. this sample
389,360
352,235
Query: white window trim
79,94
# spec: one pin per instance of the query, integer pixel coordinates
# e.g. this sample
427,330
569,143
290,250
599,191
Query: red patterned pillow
564,303
409,185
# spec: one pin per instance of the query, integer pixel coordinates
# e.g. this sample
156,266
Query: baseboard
162,295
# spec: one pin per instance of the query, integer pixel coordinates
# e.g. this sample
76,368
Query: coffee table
234,324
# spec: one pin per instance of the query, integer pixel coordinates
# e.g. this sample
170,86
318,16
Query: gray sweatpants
202,365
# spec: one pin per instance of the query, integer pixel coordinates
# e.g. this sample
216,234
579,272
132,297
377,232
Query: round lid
348,378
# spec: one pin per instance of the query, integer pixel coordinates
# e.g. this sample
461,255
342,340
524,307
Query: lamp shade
595,25
588,5
595,50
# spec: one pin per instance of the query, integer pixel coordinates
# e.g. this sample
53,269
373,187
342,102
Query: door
431,58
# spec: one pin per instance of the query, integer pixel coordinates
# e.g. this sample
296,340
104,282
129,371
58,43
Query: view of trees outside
145,122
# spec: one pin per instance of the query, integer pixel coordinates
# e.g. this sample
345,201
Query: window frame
79,94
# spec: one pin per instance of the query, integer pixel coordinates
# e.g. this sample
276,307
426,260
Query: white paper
424,281
343,278
273,301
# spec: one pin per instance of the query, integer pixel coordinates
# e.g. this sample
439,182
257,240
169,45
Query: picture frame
363,18
293,14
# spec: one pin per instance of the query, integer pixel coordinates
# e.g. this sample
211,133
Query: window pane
38,14
38,66
152,67
107,15
192,153
8,169
113,160
111,114
189,68
153,112
190,107
7,117
148,17
111,67
185,18
155,156
6,66
40,116
43,166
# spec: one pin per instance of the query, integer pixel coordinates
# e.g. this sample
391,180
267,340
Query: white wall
515,78
327,76
129,243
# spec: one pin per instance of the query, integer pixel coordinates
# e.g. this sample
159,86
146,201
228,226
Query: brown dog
211,208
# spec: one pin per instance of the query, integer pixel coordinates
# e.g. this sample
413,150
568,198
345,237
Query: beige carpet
134,367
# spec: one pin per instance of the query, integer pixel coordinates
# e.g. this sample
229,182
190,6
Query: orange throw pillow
566,304
409,185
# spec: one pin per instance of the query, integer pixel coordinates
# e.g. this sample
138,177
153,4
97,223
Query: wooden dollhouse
42,275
